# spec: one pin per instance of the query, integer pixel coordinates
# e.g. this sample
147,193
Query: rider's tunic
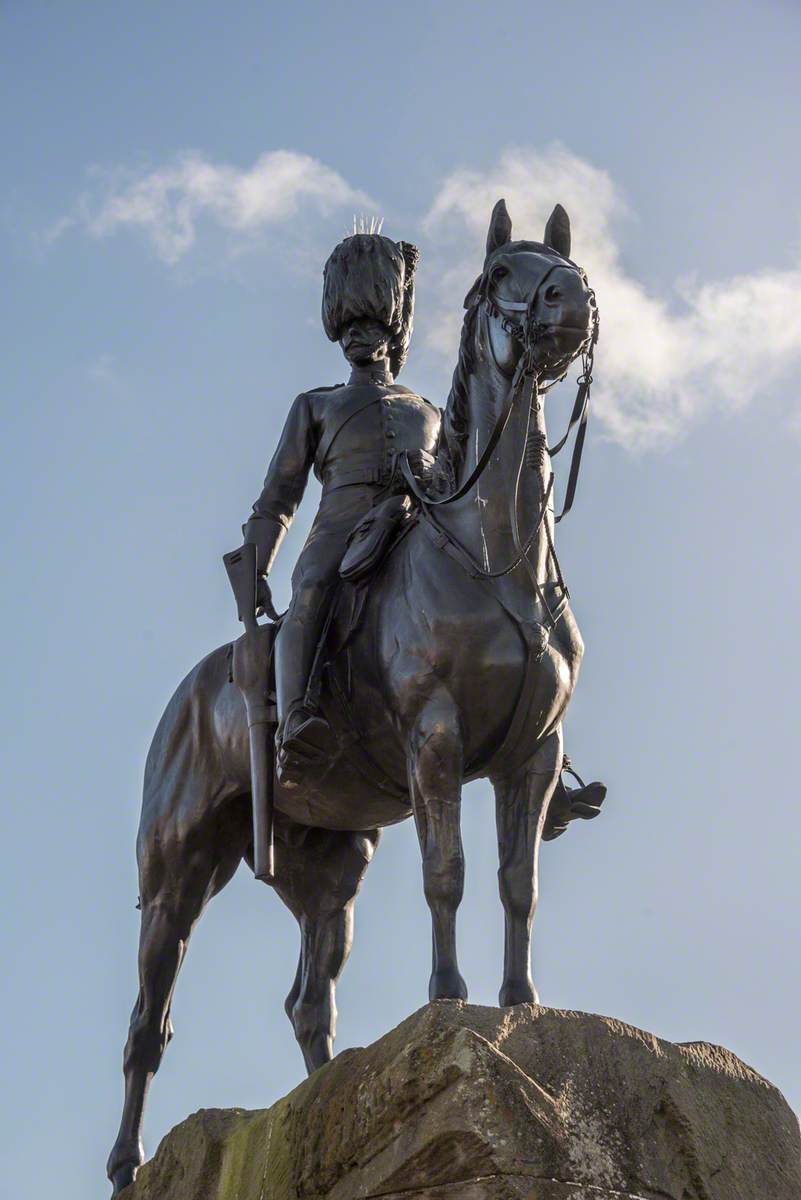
349,435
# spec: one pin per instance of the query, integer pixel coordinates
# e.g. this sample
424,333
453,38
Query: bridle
524,386
528,331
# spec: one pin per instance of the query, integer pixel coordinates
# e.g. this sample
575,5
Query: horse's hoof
518,991
447,985
122,1178
124,1161
318,1052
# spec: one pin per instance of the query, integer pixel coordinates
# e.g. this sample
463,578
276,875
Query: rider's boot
304,741
569,803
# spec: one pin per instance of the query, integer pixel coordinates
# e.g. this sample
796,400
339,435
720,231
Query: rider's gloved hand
422,464
264,599
428,471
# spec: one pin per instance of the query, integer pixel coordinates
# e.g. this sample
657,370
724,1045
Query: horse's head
535,299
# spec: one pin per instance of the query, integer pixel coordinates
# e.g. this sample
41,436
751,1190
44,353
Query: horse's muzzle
556,343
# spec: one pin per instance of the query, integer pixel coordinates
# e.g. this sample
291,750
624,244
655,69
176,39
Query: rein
579,415
524,373
526,332
501,422
524,382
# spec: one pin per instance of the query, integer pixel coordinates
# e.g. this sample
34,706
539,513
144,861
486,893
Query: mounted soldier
458,661
350,435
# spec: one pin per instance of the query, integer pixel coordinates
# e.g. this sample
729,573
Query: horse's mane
456,417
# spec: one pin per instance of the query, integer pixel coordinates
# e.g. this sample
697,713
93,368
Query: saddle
329,686
369,543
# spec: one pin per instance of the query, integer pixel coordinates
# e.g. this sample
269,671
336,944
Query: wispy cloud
168,203
102,372
663,361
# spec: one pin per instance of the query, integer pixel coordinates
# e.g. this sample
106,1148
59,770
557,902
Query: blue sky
164,264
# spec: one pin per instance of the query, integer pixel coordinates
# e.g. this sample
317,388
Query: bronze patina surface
453,658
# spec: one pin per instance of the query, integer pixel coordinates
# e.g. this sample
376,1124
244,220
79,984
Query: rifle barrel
262,766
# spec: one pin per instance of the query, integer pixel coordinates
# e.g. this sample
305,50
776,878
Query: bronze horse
465,656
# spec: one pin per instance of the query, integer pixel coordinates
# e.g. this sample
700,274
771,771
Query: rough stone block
474,1103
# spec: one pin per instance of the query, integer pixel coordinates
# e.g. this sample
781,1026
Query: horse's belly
343,798
474,651
340,800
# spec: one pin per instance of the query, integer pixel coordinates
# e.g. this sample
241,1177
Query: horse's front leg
435,785
521,806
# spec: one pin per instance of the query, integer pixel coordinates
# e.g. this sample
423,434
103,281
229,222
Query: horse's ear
557,232
500,227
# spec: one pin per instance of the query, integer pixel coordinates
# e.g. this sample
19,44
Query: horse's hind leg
521,805
435,784
318,880
176,881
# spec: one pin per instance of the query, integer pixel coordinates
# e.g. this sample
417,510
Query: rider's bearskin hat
369,275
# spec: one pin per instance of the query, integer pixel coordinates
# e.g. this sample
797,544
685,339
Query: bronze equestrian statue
447,652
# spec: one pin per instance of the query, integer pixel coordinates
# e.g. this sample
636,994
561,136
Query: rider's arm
284,485
451,447
439,471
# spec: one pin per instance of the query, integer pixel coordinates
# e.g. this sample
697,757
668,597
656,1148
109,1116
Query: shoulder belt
356,405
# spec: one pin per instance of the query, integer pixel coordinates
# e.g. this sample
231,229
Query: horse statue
456,663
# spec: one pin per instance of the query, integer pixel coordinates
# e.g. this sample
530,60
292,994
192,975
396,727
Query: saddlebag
370,539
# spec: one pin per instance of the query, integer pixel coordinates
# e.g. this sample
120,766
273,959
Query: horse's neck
481,521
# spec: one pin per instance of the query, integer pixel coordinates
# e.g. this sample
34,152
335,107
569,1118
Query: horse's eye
499,273
552,294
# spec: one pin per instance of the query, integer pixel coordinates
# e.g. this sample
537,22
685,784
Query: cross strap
352,408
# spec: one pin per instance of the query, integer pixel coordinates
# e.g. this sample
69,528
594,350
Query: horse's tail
185,746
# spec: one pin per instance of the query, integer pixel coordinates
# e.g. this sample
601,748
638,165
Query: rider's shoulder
318,391
308,398
400,389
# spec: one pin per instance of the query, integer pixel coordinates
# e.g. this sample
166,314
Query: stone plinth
468,1103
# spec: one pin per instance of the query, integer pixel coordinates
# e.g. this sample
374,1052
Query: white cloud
102,371
166,204
662,362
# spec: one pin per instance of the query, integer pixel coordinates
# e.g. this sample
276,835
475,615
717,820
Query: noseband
528,331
